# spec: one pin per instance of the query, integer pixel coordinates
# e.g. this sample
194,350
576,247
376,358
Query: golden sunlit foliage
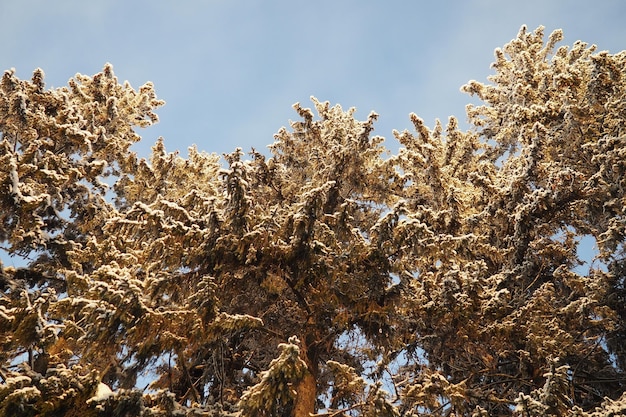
330,276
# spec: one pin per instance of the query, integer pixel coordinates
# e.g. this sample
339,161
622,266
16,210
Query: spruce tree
329,275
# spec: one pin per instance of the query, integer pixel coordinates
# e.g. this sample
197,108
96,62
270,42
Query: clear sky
230,70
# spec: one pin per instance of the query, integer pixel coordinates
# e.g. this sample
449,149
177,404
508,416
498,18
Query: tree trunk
306,396
306,390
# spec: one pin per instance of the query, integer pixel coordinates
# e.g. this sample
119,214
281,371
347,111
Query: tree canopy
331,276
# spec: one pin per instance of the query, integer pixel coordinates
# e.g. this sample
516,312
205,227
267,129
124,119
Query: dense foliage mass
329,276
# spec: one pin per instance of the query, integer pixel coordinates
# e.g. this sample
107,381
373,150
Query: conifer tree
328,276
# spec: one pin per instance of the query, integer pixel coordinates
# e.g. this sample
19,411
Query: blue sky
230,70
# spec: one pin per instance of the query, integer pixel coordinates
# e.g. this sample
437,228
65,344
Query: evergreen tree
330,275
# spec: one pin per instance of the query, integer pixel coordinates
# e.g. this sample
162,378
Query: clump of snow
103,392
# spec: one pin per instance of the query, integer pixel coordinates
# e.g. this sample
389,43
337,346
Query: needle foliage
328,276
